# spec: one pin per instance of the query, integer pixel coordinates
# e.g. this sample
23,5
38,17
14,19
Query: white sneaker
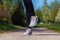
28,32
33,21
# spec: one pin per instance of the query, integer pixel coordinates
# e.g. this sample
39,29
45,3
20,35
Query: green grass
7,27
55,27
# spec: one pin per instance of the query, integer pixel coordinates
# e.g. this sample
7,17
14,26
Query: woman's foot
28,32
33,22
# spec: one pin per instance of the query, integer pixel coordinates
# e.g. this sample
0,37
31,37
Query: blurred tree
39,14
46,12
54,10
12,9
18,17
57,19
5,15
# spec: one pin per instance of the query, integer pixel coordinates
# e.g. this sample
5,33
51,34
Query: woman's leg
29,13
29,10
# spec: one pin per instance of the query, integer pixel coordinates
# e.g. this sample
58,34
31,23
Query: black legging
29,10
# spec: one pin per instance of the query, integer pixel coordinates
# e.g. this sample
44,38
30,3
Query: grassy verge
7,27
55,27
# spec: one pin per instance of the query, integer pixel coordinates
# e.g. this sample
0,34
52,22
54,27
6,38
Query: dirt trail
38,34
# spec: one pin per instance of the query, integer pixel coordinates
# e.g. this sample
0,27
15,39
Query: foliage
38,14
57,19
54,27
46,12
18,17
54,11
7,27
5,10
12,9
